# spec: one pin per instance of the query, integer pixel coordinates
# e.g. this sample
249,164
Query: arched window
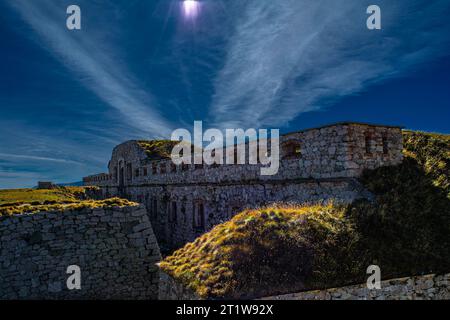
183,210
385,145
291,150
199,217
368,143
173,216
129,171
155,208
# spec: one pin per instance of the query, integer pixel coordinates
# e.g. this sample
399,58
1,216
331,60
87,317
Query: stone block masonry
428,287
181,213
185,201
114,247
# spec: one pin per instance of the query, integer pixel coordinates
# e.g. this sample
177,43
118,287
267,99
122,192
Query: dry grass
39,196
158,149
62,206
260,249
19,201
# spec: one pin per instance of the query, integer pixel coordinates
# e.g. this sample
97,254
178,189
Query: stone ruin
45,185
316,165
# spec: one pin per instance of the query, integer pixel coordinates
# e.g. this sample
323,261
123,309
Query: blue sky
139,69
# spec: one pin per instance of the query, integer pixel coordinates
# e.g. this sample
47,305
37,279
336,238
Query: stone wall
114,247
428,287
181,213
335,151
316,165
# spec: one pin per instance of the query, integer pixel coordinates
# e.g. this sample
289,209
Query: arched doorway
121,174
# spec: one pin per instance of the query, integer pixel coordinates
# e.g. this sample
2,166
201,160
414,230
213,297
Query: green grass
259,250
65,205
432,153
19,201
161,149
157,149
59,194
287,249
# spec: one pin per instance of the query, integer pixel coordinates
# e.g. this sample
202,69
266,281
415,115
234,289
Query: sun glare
191,8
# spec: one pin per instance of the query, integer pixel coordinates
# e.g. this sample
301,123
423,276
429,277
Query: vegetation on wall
158,149
284,249
162,149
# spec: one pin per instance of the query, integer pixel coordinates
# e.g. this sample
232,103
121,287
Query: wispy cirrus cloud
293,56
14,179
92,60
31,154
36,158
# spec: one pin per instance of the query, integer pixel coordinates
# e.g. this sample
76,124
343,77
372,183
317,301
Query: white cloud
293,56
36,158
92,61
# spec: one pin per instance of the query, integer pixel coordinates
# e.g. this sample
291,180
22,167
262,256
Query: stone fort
316,165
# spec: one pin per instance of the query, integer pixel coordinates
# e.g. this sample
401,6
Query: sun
191,8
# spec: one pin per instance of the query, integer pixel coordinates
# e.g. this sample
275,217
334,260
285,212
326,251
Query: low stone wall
115,249
428,287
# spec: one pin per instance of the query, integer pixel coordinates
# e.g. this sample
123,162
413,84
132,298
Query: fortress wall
336,151
316,165
370,147
428,287
114,247
174,209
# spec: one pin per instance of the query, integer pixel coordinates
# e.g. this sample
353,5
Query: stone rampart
115,249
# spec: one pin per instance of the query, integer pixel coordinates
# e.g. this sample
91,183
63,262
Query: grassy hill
21,196
406,231
18,201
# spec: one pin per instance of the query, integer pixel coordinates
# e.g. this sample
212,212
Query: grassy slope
432,152
11,196
261,249
405,232
17,201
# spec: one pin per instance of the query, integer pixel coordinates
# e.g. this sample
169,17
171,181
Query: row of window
154,170
290,150
198,218
98,178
